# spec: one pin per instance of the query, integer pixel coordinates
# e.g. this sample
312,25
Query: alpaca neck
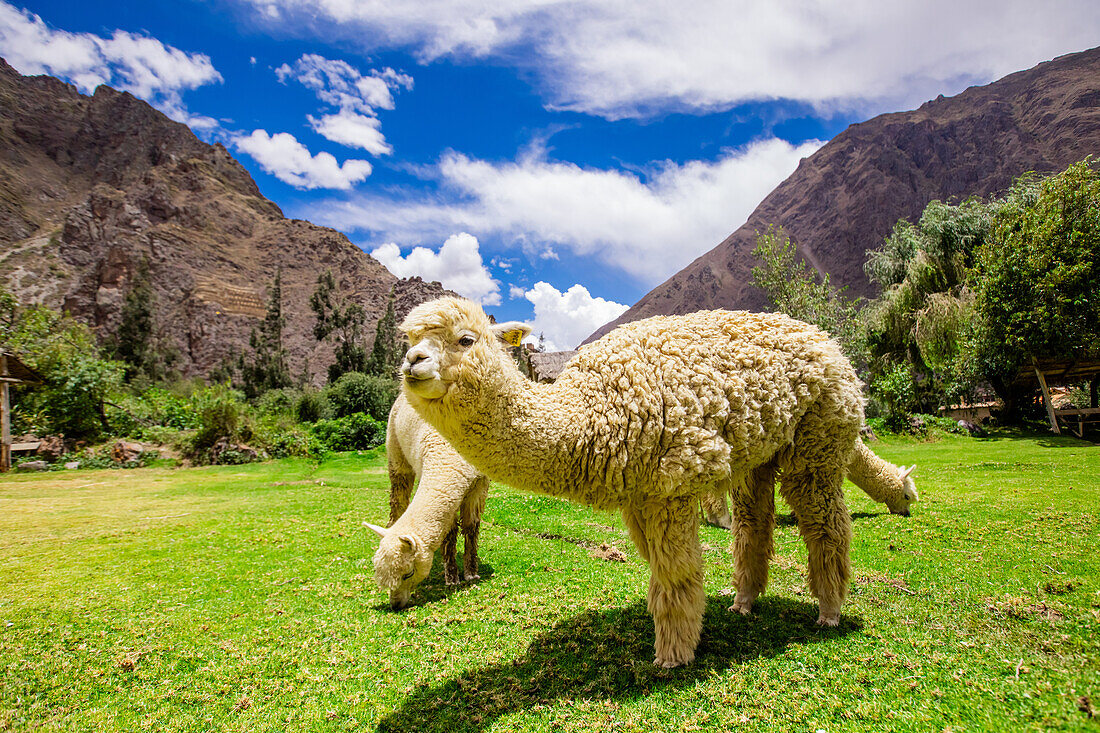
516,431
431,513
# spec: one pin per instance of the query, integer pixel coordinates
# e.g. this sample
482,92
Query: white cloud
458,265
624,57
143,66
649,227
566,319
357,97
352,130
284,157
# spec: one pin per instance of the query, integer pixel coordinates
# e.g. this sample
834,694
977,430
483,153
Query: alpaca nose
417,356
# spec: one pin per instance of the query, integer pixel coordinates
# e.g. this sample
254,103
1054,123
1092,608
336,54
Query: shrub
357,392
895,391
278,401
222,414
313,406
357,431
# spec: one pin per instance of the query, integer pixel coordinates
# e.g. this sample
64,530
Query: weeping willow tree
918,327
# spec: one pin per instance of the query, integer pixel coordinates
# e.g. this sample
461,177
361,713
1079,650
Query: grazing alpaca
650,418
448,486
881,480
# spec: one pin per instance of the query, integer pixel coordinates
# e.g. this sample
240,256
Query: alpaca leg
450,561
753,521
676,596
817,499
401,485
716,510
472,506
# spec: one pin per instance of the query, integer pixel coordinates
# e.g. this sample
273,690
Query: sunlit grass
242,598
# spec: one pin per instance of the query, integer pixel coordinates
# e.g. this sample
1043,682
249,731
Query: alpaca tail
882,481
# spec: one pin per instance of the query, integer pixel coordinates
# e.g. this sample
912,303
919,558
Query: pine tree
136,342
267,368
341,321
386,354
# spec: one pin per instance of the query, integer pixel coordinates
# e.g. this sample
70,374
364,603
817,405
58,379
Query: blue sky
554,159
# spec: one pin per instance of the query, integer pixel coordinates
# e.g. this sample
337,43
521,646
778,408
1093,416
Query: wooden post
1046,401
5,418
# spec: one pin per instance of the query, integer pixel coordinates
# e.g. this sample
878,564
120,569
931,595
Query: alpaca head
453,343
908,492
402,562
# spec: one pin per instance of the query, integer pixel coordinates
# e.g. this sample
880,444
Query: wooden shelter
12,371
1053,373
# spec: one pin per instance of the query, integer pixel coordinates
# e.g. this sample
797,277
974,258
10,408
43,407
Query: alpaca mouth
426,385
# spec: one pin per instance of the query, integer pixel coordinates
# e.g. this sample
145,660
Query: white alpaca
881,480
449,486
650,418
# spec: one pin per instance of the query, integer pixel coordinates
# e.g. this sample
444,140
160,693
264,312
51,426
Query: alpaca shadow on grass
607,655
789,520
435,589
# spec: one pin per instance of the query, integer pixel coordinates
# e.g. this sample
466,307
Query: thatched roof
547,365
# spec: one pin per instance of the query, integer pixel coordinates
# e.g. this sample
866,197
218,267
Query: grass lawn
242,598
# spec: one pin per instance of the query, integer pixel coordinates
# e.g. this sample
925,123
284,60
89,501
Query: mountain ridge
90,185
844,199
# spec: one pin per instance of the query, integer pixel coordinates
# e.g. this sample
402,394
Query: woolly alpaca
648,420
881,480
448,486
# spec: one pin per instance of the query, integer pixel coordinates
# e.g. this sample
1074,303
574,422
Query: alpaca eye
466,341
408,575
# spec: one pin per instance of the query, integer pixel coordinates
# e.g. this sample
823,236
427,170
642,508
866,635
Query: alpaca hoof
472,577
452,580
742,603
828,620
671,663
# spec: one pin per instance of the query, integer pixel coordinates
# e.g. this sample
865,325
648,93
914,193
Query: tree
136,342
267,366
1038,277
386,354
341,321
793,288
76,379
919,320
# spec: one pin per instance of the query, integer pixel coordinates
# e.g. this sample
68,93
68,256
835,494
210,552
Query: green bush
358,431
894,391
281,401
313,406
357,392
222,413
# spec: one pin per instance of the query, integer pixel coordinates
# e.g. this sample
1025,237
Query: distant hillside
90,185
845,198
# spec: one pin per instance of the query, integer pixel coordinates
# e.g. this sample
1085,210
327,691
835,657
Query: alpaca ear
906,471
408,540
512,332
375,528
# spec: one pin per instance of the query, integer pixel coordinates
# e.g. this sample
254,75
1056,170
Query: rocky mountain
845,198
89,186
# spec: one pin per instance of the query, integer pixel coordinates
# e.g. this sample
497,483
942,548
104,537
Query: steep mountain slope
91,185
843,199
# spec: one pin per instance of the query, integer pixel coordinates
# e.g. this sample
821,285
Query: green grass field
242,598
